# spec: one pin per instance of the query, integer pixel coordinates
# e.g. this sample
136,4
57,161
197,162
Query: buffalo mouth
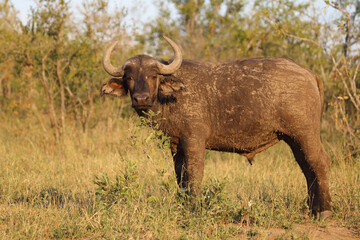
142,107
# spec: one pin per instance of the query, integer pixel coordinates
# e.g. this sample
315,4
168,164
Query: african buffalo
243,106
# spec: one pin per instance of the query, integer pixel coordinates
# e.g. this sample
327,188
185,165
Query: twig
353,84
346,122
355,102
355,57
352,153
348,25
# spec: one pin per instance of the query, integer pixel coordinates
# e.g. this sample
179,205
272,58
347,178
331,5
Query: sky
143,10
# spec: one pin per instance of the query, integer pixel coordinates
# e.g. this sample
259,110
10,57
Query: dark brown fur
243,106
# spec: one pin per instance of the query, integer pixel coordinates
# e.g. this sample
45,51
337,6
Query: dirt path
313,231
332,231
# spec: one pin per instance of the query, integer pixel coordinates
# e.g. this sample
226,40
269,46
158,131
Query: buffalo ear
115,87
168,86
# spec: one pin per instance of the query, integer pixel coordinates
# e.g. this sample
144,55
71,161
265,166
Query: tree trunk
1,87
50,99
62,94
88,111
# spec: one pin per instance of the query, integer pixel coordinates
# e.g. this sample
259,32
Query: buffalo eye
128,79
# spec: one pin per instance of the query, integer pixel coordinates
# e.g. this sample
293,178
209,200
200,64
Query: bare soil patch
332,231
313,231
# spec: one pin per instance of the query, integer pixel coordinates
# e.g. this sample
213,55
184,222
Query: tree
98,27
206,30
339,64
345,57
8,26
48,34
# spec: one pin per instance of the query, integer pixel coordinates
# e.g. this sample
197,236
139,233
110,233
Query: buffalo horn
175,65
110,69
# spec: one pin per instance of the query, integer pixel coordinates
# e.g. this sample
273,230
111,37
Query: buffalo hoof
324,215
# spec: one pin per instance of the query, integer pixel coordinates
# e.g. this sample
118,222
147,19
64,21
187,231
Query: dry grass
49,191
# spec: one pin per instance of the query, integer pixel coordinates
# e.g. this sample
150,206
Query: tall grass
118,182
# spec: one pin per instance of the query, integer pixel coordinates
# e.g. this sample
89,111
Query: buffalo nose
141,99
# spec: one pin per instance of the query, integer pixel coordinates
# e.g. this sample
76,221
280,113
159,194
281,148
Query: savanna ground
117,182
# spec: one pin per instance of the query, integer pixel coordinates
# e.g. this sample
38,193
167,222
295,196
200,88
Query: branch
335,66
353,83
73,96
43,78
69,91
348,25
346,121
352,153
354,58
355,102
303,39
356,40
313,42
68,62
3,75
355,75
353,97
336,6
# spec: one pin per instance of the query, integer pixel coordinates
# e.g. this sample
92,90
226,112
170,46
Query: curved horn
175,65
110,69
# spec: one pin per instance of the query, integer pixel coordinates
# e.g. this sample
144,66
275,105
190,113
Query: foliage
119,192
53,63
339,64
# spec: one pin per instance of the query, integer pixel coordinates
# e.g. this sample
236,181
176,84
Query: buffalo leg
194,158
314,162
308,172
180,166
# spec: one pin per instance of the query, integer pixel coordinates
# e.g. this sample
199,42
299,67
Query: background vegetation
74,165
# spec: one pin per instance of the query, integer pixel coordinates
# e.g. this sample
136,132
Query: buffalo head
143,76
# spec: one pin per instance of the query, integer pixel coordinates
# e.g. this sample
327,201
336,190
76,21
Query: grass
119,183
